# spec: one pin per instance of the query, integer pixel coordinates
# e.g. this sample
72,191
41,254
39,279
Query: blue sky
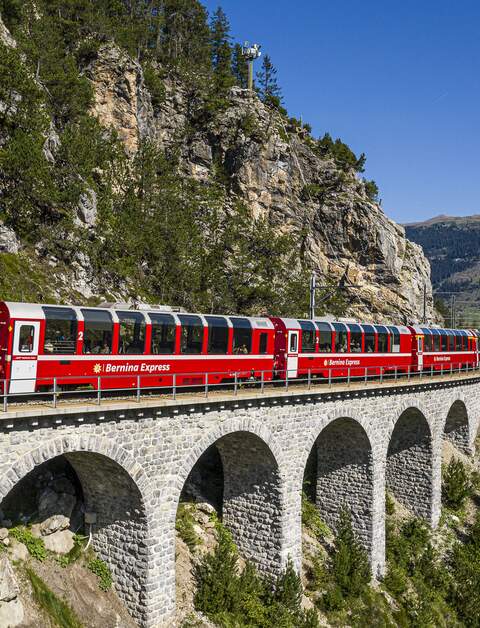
398,80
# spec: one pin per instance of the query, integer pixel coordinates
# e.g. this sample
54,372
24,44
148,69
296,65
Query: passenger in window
105,348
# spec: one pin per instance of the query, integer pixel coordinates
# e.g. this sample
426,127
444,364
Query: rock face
11,608
121,99
5,37
277,172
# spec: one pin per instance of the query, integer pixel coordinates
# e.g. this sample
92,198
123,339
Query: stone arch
410,462
117,490
253,500
457,426
345,476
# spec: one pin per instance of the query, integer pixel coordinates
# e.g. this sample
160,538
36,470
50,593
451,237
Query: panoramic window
25,339
355,338
436,342
217,334
325,337
383,339
242,335
191,337
132,332
395,339
369,338
428,340
163,333
341,338
98,334
308,336
60,330
444,340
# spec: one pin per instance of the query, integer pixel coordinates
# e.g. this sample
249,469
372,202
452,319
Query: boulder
9,588
8,240
54,524
62,484
60,542
11,613
206,508
87,208
52,503
18,552
3,534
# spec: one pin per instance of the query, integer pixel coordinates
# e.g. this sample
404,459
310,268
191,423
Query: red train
152,347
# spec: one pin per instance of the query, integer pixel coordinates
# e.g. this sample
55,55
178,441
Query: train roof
19,310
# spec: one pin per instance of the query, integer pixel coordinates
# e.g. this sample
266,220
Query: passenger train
118,347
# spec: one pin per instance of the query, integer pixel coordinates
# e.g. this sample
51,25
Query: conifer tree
221,50
240,67
269,90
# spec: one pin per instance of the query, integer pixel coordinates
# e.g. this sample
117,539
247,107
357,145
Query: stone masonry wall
345,476
252,498
120,532
409,463
264,442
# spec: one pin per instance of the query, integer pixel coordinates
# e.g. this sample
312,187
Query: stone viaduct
133,460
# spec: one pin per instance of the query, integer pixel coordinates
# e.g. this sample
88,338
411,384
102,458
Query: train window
25,339
217,334
60,330
325,338
383,339
308,336
98,334
395,339
428,340
191,337
443,340
436,342
355,338
163,333
341,338
263,343
369,338
132,332
242,335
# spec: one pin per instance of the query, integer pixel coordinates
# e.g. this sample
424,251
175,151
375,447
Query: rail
137,387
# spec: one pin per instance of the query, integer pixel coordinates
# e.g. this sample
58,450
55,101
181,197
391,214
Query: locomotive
118,347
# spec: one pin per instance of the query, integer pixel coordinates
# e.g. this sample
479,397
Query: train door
420,353
292,354
24,357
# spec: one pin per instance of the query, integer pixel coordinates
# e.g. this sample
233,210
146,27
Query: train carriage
324,348
437,349
128,348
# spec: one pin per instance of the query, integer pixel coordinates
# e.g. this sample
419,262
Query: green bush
232,599
371,190
456,484
312,520
35,546
389,504
102,571
75,553
350,565
184,526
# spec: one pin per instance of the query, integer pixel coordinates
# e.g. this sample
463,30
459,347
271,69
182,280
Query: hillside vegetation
452,245
134,165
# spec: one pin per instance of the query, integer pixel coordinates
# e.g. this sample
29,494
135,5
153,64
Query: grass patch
100,568
35,546
311,519
75,553
57,610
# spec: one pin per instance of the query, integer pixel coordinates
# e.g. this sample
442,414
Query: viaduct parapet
133,461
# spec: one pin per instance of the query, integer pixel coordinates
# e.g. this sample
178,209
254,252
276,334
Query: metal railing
102,387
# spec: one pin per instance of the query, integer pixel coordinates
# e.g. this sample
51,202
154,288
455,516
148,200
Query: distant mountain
452,245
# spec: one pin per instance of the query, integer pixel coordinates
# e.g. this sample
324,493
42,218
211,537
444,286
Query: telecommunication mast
251,52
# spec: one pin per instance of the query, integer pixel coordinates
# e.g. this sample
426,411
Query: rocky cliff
259,158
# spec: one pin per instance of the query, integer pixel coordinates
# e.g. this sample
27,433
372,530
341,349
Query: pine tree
221,51
350,566
269,90
240,67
